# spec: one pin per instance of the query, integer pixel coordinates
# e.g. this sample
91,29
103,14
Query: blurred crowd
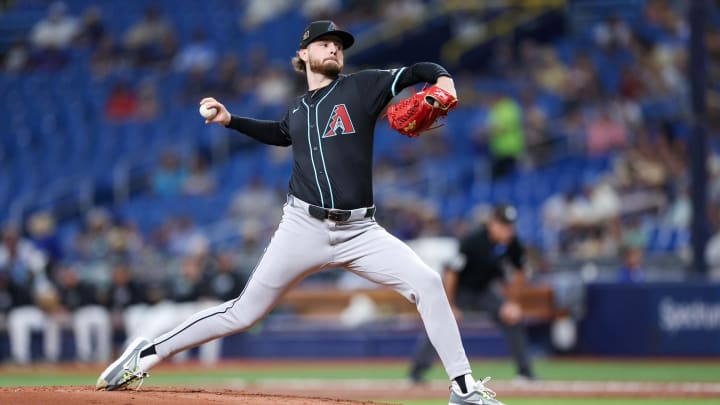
111,278
622,95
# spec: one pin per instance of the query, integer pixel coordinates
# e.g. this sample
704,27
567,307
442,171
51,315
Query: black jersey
484,259
332,132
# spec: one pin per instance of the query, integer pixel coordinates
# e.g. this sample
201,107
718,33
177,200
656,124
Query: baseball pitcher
328,220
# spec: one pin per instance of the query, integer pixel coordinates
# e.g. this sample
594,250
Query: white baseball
207,113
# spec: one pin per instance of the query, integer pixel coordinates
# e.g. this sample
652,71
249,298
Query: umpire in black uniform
478,280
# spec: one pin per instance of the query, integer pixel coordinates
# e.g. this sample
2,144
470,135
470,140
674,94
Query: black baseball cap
316,29
505,213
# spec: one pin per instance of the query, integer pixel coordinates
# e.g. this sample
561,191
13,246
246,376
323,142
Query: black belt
335,214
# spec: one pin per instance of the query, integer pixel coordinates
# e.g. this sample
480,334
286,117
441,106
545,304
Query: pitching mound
152,395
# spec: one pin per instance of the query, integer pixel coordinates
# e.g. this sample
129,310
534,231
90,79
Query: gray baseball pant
303,245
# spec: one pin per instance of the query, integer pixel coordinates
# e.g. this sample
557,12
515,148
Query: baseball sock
148,351
464,381
148,358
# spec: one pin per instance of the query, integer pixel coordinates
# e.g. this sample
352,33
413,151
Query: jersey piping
322,156
312,159
397,76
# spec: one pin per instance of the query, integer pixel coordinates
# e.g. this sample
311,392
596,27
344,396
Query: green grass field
229,374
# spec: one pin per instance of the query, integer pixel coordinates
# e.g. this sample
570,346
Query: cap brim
346,38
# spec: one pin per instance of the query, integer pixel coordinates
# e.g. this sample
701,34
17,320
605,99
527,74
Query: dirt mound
153,396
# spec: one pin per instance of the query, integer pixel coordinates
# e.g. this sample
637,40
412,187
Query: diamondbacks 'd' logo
339,122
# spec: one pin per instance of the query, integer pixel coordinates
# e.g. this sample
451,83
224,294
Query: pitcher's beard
327,69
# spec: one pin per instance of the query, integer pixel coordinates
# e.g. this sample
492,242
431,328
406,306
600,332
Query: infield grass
229,373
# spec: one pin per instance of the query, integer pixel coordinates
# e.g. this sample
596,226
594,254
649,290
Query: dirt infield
363,389
153,396
347,392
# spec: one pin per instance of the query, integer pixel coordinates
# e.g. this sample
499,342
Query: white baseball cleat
477,394
125,369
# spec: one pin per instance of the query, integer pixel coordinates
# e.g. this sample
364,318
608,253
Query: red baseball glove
419,112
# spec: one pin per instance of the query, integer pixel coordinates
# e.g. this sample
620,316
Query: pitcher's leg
384,259
299,247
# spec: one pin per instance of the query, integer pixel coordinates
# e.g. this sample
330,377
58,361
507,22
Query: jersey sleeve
267,132
285,126
377,86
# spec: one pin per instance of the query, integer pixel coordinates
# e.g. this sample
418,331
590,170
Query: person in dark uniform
328,220
477,281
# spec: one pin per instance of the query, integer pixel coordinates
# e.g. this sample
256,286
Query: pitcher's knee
429,284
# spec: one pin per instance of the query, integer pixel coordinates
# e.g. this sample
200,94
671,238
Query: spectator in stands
227,281
228,82
105,57
91,321
550,74
151,41
148,105
257,12
274,88
251,247
198,54
124,242
678,212
185,238
5,296
122,292
604,201
17,57
92,28
613,32
33,298
169,177
664,19
141,306
632,269
671,151
631,84
43,233
632,232
197,83
571,132
189,291
56,31
92,244
122,103
555,219
502,65
200,179
315,10
604,133
255,201
402,11
540,143
583,82
504,134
